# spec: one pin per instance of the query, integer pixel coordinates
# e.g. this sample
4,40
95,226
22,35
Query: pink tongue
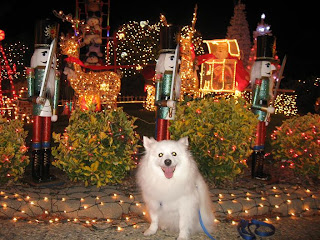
168,172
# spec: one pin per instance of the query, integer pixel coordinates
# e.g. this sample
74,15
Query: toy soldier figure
43,88
261,75
167,81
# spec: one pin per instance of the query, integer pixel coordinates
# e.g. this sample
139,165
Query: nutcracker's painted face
169,62
39,57
267,68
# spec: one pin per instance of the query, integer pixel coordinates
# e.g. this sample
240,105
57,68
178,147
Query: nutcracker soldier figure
43,88
261,75
167,81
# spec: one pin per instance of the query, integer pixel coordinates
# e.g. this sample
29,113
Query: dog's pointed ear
184,141
147,142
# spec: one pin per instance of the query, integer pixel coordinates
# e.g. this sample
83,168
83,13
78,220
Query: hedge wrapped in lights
97,147
13,158
297,143
220,133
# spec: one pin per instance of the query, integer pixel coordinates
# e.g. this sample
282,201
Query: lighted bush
13,159
297,142
97,147
220,134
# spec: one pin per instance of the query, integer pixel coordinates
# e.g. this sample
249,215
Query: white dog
173,188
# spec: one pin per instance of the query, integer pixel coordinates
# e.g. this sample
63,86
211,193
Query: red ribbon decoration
78,61
205,57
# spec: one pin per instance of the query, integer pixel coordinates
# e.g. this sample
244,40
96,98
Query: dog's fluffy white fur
173,188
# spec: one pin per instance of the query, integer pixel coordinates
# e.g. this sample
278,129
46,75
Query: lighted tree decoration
189,80
239,29
190,45
137,45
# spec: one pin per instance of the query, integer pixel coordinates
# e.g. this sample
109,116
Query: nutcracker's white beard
255,72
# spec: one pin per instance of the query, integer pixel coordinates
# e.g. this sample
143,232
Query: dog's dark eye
174,154
160,154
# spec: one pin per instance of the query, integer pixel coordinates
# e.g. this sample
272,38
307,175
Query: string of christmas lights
12,71
93,207
137,45
285,102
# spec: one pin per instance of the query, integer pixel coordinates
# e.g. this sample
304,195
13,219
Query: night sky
295,24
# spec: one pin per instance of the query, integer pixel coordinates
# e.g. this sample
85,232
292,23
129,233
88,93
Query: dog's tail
206,207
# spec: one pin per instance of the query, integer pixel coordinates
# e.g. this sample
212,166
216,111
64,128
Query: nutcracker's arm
261,106
158,78
30,80
31,85
269,109
259,103
31,88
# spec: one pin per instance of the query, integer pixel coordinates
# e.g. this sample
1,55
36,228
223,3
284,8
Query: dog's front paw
163,228
150,231
183,236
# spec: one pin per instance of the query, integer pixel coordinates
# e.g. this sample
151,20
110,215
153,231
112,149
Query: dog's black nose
167,162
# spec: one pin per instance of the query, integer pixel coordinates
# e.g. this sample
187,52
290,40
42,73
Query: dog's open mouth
168,171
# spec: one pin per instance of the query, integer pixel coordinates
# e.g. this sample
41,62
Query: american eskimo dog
173,188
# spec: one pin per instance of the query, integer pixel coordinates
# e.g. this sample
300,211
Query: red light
2,35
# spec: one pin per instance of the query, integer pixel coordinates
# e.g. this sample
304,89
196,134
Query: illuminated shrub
97,147
13,159
297,142
220,133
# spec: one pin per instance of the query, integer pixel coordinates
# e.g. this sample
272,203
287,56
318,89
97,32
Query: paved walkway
113,212
110,202
292,228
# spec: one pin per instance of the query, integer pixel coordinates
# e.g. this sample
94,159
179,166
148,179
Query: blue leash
243,224
249,235
204,228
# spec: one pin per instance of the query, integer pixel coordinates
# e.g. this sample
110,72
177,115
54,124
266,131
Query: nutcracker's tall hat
265,48
45,32
168,38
